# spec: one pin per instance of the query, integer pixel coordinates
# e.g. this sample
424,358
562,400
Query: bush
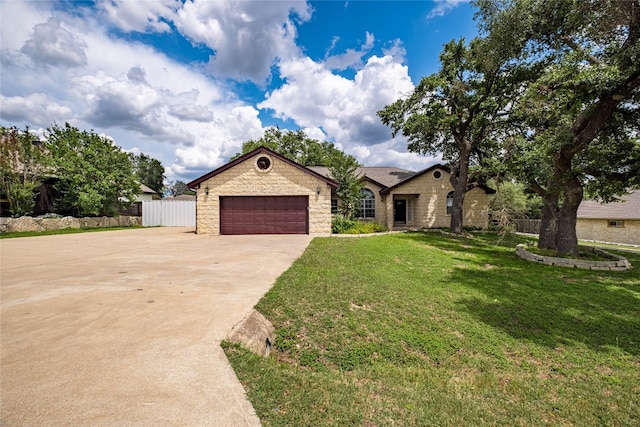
340,224
344,225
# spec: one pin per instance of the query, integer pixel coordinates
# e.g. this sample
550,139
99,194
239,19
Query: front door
400,211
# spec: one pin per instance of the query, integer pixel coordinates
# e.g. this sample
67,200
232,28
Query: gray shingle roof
387,176
627,208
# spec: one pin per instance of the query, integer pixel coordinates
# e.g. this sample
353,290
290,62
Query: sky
187,82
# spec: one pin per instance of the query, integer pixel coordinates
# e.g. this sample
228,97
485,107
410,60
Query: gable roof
146,190
380,175
388,190
627,208
260,150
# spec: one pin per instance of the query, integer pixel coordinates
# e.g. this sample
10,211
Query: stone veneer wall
27,223
599,230
245,179
430,209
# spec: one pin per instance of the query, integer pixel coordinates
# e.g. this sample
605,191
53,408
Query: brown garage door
264,215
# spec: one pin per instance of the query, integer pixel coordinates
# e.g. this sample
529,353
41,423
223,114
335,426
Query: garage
263,192
264,215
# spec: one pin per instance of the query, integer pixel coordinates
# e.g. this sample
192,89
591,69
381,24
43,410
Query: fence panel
531,226
175,213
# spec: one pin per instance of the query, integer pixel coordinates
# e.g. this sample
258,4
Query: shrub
340,223
343,225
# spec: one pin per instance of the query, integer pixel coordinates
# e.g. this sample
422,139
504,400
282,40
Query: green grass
423,329
12,235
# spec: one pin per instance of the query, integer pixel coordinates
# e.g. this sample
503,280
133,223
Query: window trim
449,203
615,223
367,209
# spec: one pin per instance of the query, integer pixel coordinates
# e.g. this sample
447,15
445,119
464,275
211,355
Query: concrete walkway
123,327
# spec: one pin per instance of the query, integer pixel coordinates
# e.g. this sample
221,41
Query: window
334,206
616,224
437,174
367,204
449,202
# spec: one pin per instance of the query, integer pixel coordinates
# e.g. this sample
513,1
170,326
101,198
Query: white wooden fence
174,213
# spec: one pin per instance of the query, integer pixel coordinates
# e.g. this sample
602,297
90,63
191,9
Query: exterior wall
245,179
598,229
144,197
429,208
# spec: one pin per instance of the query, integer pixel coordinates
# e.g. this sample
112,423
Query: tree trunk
456,211
459,180
566,237
548,223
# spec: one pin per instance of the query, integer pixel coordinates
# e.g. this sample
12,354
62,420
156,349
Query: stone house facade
616,222
267,193
263,192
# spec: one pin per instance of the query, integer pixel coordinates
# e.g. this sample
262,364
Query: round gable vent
263,163
437,174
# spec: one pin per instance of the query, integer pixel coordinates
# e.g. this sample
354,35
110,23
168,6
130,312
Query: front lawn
422,329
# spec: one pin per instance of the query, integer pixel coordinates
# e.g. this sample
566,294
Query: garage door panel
264,215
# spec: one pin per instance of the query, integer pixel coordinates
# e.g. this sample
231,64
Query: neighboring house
616,222
145,195
264,192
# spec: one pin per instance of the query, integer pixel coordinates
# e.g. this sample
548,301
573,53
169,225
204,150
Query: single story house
263,192
145,195
615,222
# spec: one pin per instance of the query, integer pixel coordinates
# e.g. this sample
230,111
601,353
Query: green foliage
578,116
431,329
176,188
343,225
94,174
512,201
340,224
343,170
23,165
296,146
458,112
148,171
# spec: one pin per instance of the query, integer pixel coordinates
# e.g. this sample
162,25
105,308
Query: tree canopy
295,145
458,112
94,175
148,171
579,116
23,165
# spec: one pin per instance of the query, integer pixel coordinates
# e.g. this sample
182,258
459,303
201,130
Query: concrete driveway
124,327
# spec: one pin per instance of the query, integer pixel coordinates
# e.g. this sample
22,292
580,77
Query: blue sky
188,82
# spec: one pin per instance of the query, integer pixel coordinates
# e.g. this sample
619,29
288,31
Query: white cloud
345,109
139,16
51,44
247,36
442,7
351,58
35,109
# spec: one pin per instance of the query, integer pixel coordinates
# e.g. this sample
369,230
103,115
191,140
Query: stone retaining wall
617,263
27,223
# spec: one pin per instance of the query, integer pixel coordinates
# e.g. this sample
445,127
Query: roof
382,175
146,190
627,208
260,150
388,190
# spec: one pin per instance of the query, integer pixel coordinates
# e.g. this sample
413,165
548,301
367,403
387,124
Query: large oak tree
458,112
579,117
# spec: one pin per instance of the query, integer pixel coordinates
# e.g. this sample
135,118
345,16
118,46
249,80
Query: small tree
343,170
176,188
22,165
94,174
148,171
